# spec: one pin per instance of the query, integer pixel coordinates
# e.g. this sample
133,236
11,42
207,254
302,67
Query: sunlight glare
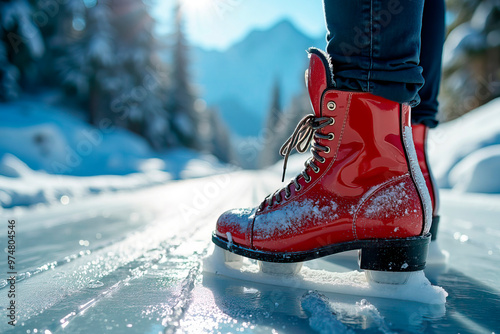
197,5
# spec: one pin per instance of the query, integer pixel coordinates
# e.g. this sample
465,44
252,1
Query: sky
217,24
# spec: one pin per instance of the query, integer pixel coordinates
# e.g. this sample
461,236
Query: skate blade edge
394,255
408,286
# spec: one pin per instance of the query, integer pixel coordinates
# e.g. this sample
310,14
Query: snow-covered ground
132,261
43,148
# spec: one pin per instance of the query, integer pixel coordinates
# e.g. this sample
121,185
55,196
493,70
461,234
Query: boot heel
395,255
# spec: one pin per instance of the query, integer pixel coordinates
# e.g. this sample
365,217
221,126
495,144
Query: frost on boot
361,189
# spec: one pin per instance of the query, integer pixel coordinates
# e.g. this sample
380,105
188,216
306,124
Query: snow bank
49,155
56,141
464,153
21,186
478,172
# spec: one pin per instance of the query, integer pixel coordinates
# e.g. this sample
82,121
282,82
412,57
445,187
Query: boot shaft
363,181
420,134
369,148
369,145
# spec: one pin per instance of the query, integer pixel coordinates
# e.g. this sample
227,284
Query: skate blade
389,278
232,258
285,269
221,258
355,283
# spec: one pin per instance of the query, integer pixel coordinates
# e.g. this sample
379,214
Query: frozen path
131,263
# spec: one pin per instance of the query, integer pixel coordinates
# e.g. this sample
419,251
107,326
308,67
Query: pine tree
181,99
299,107
20,45
86,55
219,137
272,128
108,61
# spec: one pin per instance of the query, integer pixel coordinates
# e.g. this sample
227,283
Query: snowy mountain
239,80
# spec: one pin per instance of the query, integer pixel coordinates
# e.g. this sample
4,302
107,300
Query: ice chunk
321,316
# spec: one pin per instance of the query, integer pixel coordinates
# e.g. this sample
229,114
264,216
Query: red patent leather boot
361,189
420,140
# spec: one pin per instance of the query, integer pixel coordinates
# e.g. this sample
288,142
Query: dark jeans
389,48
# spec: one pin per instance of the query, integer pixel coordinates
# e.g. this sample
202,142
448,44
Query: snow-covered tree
284,122
20,45
471,56
181,99
220,143
108,61
299,107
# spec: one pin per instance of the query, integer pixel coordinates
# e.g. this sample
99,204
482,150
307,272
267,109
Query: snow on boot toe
234,225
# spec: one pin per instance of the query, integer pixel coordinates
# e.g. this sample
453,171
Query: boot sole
397,255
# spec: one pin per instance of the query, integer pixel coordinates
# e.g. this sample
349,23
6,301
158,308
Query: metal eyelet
308,179
322,161
327,151
316,170
299,188
331,105
331,136
331,121
287,196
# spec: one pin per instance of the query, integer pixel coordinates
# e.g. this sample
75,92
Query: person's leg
374,46
433,31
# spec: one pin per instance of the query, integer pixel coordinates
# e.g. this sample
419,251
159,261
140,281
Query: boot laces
305,132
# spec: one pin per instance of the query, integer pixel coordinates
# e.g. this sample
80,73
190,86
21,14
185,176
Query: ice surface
418,288
147,256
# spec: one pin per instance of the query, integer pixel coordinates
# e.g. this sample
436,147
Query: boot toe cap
236,224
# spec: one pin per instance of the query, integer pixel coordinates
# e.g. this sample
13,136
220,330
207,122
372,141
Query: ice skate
362,189
435,256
